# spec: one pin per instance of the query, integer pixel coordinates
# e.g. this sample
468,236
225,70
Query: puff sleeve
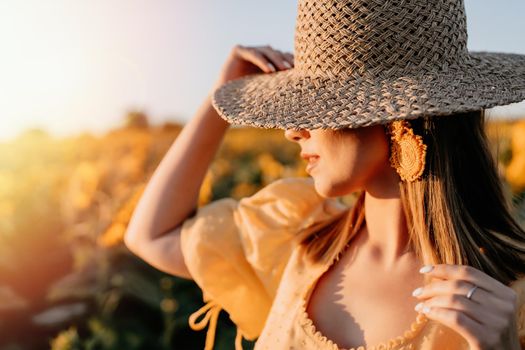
236,251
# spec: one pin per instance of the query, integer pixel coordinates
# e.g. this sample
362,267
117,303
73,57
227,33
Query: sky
70,66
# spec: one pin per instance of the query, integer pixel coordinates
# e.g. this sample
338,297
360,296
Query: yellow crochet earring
407,151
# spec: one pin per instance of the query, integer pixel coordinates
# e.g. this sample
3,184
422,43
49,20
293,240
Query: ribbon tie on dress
212,310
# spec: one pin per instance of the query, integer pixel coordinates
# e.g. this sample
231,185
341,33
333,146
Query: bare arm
171,194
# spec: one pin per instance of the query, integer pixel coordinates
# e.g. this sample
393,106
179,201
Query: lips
309,156
312,162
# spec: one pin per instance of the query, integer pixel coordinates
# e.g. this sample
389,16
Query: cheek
367,152
350,165
338,172
375,155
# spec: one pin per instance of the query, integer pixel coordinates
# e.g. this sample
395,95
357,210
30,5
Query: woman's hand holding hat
244,60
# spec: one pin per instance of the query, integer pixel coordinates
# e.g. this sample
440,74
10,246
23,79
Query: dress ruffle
390,344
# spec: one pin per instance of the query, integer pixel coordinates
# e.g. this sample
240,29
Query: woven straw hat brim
287,100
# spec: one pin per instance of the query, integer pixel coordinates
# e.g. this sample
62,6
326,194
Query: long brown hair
457,213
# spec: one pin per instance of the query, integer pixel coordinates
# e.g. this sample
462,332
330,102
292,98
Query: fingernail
272,67
417,291
418,306
426,268
286,64
426,310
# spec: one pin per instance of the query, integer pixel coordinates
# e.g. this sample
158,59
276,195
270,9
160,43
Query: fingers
276,57
451,287
458,321
482,319
289,57
254,56
460,287
459,303
265,57
469,274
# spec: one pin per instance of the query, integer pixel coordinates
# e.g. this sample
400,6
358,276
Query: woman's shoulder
237,250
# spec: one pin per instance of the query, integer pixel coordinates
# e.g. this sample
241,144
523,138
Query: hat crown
338,38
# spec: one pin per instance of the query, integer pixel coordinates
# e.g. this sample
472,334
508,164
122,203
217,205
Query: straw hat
366,62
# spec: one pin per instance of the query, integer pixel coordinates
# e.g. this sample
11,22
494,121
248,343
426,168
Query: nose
296,135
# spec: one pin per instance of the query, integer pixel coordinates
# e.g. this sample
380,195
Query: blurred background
92,94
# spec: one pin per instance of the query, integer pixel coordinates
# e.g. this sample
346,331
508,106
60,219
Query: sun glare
57,71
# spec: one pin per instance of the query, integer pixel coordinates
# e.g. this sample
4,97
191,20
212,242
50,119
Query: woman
386,101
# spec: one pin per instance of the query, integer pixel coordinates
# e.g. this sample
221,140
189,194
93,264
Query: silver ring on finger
471,291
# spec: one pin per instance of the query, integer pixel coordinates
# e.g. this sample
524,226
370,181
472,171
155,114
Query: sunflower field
67,281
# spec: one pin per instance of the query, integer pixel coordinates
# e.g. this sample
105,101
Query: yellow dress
243,257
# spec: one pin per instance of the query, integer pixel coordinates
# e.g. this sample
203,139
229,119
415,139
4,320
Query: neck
385,236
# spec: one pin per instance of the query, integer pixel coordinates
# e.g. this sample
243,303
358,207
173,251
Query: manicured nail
426,310
286,64
418,306
426,268
272,67
417,291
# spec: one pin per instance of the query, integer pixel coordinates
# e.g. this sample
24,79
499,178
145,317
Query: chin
325,189
329,189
